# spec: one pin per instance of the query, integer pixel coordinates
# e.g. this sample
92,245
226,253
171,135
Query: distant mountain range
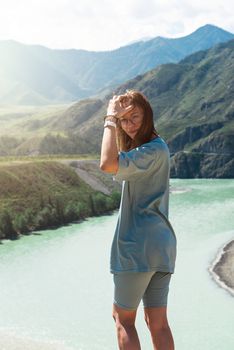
193,109
36,75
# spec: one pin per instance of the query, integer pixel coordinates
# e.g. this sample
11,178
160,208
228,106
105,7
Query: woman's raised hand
119,105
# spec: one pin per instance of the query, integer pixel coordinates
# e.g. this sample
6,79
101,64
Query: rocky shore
223,268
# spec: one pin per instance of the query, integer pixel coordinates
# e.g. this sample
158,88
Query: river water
55,285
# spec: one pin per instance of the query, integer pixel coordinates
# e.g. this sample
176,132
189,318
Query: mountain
193,109
36,75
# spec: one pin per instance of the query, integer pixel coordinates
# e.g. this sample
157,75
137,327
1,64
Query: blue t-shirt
144,239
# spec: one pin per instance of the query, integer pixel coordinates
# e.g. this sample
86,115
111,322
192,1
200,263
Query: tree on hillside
6,226
20,224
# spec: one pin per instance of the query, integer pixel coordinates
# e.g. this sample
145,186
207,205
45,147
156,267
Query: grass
15,119
17,160
26,185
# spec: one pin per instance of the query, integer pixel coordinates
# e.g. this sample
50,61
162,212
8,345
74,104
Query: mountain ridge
193,107
75,74
193,111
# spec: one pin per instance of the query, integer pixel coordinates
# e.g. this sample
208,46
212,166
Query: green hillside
46,194
193,109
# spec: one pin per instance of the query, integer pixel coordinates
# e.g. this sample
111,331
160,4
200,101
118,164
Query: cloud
107,24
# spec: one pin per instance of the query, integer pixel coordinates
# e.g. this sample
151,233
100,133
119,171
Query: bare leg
125,326
156,319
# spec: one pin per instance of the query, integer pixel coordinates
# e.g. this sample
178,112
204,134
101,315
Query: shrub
71,213
83,210
99,203
46,218
116,197
6,226
20,224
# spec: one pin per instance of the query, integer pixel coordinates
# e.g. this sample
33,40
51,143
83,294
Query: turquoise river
55,285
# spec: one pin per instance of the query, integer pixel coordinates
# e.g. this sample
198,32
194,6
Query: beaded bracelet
110,117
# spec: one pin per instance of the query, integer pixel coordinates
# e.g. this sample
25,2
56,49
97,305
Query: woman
144,246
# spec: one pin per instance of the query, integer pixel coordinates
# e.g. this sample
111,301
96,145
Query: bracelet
111,118
109,123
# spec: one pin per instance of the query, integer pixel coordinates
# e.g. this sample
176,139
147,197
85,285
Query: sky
100,25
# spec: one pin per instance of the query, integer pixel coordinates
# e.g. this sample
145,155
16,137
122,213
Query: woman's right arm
109,152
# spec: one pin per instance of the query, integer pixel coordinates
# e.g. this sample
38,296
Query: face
132,121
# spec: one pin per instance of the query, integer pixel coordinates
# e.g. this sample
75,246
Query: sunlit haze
107,24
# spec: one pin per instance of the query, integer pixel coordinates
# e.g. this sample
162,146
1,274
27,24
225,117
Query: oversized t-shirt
144,239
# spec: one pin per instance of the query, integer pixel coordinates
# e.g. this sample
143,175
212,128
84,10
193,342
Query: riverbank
222,269
49,194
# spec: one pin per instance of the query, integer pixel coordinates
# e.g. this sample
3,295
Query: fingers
125,101
119,105
129,108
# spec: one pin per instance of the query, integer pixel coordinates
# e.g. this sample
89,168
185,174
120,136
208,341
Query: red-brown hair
144,134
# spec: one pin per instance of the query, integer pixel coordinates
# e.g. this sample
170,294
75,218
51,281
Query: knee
118,323
157,327
116,317
122,322
159,330
123,326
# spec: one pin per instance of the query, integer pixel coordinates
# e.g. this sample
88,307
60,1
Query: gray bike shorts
132,287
